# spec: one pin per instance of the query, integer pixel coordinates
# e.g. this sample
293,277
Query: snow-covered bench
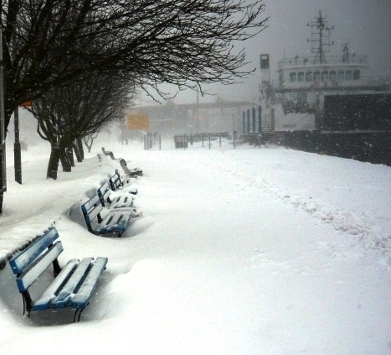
130,172
102,221
116,183
109,153
72,285
120,201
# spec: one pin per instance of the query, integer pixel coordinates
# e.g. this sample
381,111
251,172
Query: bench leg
77,314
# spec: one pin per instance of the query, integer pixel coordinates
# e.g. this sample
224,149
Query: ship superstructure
297,100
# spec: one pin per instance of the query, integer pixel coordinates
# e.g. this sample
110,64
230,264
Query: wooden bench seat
116,183
100,221
121,201
72,285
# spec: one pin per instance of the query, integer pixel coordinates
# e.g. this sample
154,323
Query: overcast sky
364,24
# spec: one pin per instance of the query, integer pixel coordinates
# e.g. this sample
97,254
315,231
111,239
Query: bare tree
185,43
76,110
89,140
172,41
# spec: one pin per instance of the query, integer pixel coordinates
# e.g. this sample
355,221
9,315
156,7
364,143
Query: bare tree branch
48,43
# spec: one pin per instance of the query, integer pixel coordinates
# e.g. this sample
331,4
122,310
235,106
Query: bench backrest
92,209
115,181
124,166
109,153
36,258
104,192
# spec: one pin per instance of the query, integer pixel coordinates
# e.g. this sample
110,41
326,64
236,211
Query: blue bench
72,285
113,221
116,183
109,153
121,201
130,172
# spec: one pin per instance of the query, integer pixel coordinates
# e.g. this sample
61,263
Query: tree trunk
79,144
53,162
77,151
89,140
66,166
69,153
1,202
64,158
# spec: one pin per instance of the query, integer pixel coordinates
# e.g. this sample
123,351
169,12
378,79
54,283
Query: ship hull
372,147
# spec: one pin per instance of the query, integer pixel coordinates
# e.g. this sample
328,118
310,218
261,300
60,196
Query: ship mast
320,38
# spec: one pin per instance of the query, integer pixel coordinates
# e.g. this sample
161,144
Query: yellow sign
138,122
27,104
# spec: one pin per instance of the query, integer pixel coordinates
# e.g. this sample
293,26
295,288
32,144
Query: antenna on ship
346,54
320,38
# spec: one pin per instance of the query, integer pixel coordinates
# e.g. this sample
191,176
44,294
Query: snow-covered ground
239,251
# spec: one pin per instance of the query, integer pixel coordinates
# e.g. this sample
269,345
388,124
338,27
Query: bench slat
38,267
19,262
80,300
90,204
63,298
115,181
104,192
45,300
123,201
92,208
114,222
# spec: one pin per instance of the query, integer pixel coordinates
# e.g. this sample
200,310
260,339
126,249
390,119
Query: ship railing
373,82
300,61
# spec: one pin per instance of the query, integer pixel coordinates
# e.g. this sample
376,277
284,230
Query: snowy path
233,255
261,274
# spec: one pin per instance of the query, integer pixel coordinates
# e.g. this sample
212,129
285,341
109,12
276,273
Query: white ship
309,86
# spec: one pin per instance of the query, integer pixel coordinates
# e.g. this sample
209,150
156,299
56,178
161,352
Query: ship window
325,75
340,75
308,76
332,76
356,75
293,76
317,76
301,76
348,75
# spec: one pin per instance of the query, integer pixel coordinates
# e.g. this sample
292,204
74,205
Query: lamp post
233,130
3,177
17,149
